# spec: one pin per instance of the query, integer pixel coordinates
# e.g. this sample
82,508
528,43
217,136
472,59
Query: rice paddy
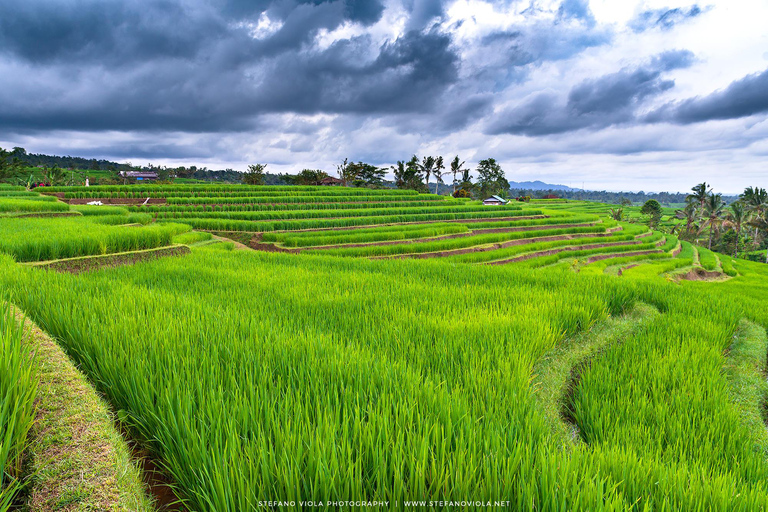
412,349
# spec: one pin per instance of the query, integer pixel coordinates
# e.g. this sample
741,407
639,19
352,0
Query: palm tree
456,168
737,217
439,166
756,201
700,193
427,166
760,222
713,213
690,214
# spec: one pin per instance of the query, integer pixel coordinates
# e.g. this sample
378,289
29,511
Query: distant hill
538,185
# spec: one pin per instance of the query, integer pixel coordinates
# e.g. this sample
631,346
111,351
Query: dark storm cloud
608,100
664,19
208,66
745,97
186,66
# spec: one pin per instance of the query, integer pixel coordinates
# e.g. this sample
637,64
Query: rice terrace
372,255
340,345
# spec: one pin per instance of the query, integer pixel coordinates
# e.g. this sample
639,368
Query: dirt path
238,246
80,460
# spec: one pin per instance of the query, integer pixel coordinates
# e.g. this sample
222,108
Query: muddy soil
86,264
699,274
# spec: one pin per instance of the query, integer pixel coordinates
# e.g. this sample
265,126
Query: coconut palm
427,166
439,166
456,168
760,222
690,214
736,218
700,194
714,208
756,201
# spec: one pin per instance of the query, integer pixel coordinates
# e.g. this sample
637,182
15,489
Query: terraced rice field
390,347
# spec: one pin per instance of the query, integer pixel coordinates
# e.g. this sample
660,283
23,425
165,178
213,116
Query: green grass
707,259
48,239
247,225
255,375
77,459
30,205
88,210
745,368
18,390
192,237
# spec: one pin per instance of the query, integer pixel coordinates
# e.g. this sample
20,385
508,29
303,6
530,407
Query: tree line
731,229
413,174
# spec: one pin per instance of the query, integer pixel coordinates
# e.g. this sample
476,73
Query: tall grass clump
88,209
47,239
30,205
18,388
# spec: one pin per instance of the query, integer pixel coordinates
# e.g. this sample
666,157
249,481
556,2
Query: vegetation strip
745,370
18,392
88,263
78,459
497,246
557,373
551,252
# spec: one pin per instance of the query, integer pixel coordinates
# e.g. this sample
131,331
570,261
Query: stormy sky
619,95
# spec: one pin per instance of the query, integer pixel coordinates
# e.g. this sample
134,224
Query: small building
494,201
139,175
330,181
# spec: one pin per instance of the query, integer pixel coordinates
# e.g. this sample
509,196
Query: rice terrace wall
388,349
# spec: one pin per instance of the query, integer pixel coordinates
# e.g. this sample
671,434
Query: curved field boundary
88,263
557,374
78,459
745,371
463,235
601,257
116,200
346,228
559,250
46,214
500,245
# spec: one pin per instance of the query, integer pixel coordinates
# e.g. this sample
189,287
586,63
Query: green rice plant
192,237
30,205
536,246
425,231
727,265
287,199
456,243
247,225
323,389
257,207
27,196
707,259
87,209
48,239
18,388
578,253
131,218
312,214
